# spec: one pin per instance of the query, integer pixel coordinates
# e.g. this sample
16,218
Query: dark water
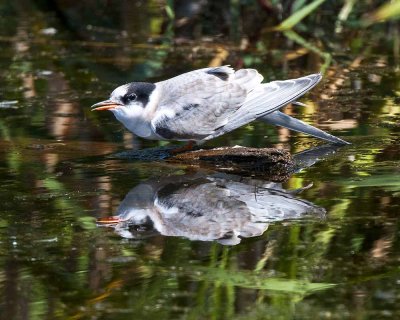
331,251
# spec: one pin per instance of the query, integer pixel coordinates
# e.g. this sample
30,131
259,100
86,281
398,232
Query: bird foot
187,147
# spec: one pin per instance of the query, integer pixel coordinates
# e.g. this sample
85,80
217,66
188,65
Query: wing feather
206,103
267,98
196,103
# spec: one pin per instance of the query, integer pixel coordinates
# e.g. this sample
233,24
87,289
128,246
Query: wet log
269,163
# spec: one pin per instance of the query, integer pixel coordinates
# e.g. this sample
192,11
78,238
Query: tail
278,118
309,157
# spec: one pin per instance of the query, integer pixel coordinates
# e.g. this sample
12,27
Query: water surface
338,258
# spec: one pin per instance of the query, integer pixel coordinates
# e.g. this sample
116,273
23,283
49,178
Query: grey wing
267,98
202,212
268,205
196,104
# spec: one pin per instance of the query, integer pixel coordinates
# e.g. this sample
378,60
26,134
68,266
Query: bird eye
131,97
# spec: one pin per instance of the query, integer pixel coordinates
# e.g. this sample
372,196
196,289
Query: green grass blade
290,34
390,10
296,17
260,281
387,182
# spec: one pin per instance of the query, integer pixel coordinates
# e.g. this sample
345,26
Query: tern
206,103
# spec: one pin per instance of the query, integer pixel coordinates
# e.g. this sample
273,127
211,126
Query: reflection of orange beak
105,105
109,220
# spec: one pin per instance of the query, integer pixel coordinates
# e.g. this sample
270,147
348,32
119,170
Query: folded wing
197,103
267,98
207,103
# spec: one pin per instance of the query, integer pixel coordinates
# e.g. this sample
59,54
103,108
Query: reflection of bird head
137,203
135,209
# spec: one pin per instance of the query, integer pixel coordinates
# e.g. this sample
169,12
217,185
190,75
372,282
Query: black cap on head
138,91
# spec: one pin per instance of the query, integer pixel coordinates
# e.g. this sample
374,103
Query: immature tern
206,103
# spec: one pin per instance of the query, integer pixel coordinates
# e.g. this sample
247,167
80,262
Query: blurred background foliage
58,57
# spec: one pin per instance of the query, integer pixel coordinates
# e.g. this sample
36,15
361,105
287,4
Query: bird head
127,101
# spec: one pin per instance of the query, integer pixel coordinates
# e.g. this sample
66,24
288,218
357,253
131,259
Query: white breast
138,126
138,119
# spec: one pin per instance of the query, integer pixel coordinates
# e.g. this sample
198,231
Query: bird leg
187,147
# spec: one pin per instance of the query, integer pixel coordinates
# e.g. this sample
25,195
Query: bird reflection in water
217,207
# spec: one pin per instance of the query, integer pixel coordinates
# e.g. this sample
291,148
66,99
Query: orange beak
105,105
